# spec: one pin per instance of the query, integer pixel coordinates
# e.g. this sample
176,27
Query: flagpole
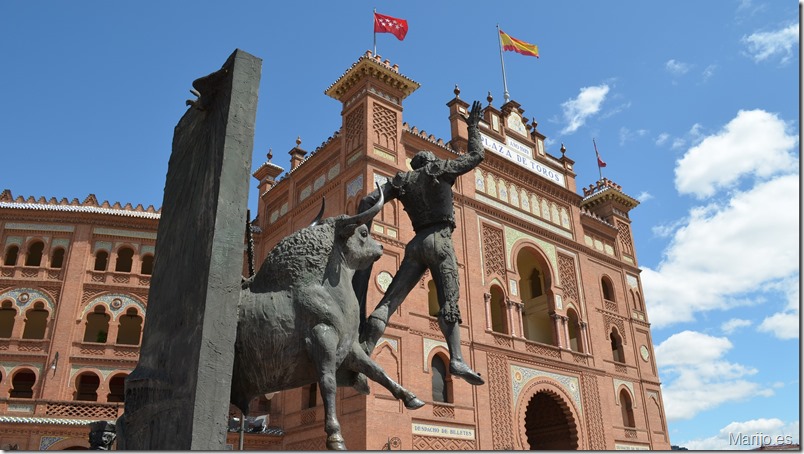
597,159
506,96
374,17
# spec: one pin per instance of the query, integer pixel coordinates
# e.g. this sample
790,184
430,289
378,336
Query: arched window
57,258
34,256
101,260
147,264
116,388
617,353
11,255
441,380
124,259
627,409
432,299
638,302
86,387
22,384
574,330
533,282
35,322
499,321
130,328
309,396
97,325
7,317
608,289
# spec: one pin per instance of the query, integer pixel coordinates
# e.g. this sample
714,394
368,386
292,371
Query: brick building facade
551,299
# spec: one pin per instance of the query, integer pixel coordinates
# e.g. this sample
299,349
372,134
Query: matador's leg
409,273
444,268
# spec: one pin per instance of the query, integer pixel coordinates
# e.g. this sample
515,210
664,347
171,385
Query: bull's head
359,249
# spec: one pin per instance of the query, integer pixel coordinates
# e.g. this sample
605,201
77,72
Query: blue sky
693,105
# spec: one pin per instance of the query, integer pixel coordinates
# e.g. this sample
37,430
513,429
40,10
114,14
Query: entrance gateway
549,424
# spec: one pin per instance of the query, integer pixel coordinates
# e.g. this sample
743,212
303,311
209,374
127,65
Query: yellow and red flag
518,46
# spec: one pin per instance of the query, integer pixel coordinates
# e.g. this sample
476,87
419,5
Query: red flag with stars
388,24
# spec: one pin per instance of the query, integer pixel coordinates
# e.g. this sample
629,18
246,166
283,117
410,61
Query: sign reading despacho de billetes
517,157
432,430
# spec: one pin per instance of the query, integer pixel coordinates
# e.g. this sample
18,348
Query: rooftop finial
563,150
269,155
457,91
298,140
489,98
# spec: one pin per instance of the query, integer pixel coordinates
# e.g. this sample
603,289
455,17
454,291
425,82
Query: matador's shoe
460,369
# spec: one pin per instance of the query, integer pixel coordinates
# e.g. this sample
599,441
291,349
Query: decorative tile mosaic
125,233
526,217
617,383
46,442
319,182
9,366
354,186
334,171
147,249
102,246
429,345
117,303
632,280
392,342
521,376
14,240
512,236
384,279
40,227
61,242
23,297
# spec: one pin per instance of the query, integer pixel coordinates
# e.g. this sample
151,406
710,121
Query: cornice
371,66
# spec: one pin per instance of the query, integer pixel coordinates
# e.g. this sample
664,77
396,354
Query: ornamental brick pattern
493,247
592,412
566,272
624,236
385,131
354,125
499,384
422,443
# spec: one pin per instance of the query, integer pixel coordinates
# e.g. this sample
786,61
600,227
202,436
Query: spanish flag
520,47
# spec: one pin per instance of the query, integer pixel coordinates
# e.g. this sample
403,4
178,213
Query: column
487,301
584,340
556,329
564,319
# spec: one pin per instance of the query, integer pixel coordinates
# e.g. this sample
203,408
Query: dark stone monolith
178,395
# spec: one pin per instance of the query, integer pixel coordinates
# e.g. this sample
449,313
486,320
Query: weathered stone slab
178,396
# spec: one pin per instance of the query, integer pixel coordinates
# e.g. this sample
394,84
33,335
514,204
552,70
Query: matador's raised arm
475,154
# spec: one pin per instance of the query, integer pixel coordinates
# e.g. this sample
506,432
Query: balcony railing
33,273
118,278
24,346
117,351
89,411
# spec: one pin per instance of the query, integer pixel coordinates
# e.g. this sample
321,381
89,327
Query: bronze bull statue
298,318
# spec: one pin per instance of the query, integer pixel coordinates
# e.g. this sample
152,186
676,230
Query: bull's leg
360,362
323,344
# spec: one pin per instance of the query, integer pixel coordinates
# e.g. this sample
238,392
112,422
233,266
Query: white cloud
764,45
701,378
734,324
677,67
662,138
735,435
588,103
709,71
783,325
755,143
722,255
627,135
644,196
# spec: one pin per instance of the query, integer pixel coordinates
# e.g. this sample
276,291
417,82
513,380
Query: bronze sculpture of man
426,195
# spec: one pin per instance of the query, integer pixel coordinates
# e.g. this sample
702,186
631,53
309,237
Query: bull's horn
366,216
320,213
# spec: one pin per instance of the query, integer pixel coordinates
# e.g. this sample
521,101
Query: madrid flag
388,24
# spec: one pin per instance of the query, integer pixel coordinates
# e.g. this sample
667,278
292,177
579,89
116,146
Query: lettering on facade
514,156
432,430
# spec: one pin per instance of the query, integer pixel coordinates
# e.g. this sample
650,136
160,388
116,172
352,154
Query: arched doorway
549,424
